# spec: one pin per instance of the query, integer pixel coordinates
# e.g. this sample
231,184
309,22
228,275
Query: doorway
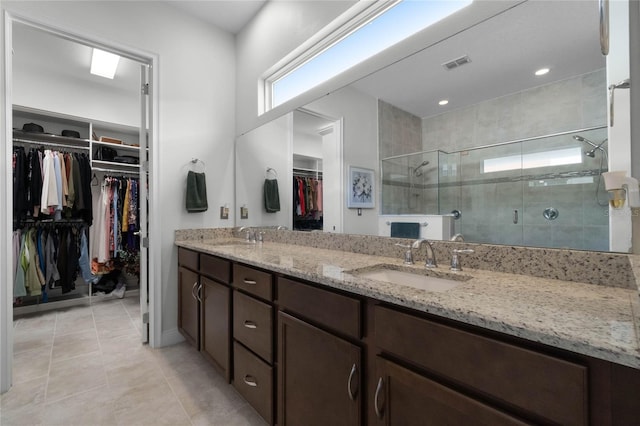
83,100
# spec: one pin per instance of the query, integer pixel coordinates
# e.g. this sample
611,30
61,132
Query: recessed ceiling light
443,102
104,63
542,71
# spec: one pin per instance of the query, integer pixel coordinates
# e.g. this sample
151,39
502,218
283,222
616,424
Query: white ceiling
505,51
230,15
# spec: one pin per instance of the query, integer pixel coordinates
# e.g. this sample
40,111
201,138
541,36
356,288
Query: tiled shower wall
488,206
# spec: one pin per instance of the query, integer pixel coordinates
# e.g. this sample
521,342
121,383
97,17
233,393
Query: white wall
196,107
359,144
268,146
278,28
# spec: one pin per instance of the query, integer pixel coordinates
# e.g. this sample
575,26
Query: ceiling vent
458,62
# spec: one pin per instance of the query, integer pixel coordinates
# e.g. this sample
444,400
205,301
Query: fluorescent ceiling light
104,63
542,71
443,102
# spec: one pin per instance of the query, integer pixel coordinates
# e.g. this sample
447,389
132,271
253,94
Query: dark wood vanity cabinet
304,354
204,306
320,372
404,397
253,347
535,385
188,306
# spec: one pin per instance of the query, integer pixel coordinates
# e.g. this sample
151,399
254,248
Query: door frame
6,188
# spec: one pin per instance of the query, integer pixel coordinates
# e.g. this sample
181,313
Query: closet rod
50,144
115,172
307,173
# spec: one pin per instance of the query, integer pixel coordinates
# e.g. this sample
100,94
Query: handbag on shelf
104,153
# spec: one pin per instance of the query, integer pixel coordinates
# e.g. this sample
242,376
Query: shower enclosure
544,192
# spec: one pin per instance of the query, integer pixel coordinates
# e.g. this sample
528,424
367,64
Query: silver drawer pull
250,380
246,281
250,324
352,395
376,405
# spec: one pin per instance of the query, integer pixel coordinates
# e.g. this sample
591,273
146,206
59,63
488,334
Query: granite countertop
598,321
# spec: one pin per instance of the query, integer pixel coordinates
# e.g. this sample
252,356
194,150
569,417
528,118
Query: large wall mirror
519,155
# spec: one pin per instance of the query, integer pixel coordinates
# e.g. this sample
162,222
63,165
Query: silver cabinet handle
193,290
246,281
199,293
515,216
603,8
354,370
250,324
376,406
250,380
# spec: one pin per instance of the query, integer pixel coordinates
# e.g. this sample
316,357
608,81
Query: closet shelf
117,146
112,165
46,138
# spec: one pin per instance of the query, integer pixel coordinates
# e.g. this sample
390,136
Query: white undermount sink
419,279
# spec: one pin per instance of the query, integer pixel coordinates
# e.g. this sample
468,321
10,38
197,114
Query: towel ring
195,161
271,170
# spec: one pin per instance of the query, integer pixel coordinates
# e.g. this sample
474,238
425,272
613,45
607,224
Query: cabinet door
320,376
215,325
188,315
404,397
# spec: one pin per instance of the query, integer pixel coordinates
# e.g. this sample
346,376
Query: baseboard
171,337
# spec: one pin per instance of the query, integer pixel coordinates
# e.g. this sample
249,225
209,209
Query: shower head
595,146
592,152
417,171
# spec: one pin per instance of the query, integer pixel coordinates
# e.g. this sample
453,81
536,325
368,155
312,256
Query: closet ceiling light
542,71
104,63
443,102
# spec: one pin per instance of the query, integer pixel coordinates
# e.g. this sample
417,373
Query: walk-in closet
79,177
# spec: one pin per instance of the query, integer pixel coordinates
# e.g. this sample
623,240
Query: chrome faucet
250,234
456,266
279,227
457,237
431,256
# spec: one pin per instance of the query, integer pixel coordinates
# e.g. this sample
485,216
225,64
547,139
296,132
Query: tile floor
86,366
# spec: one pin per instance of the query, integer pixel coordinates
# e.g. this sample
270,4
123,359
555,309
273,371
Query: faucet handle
408,254
456,266
259,236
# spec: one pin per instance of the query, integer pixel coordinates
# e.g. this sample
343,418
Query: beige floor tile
130,373
149,405
113,327
67,324
180,359
75,376
44,321
28,340
74,344
31,364
26,417
244,415
118,349
24,396
93,407
109,309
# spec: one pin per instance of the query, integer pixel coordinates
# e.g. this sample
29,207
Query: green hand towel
271,196
196,192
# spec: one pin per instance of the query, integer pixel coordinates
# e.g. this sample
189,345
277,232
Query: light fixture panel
104,63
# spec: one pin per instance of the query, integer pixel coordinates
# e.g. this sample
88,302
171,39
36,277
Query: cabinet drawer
253,281
216,268
253,325
333,310
188,258
548,387
253,378
404,397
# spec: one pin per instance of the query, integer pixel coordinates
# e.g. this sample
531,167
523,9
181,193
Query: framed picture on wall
361,188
